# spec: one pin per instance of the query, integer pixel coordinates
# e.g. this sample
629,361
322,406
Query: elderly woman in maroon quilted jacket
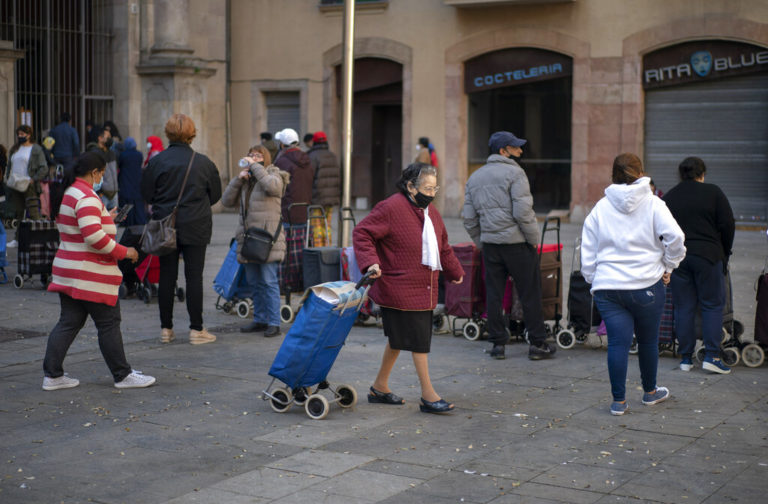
404,243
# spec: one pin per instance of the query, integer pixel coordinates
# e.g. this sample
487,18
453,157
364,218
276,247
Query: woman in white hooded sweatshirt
630,245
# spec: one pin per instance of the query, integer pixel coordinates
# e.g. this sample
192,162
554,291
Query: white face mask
418,146
149,146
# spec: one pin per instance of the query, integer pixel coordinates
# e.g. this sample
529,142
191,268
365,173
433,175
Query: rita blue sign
704,60
510,67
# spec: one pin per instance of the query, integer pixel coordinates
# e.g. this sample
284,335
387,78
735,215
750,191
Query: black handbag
257,242
159,237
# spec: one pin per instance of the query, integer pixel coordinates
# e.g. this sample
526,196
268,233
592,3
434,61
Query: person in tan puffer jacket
263,188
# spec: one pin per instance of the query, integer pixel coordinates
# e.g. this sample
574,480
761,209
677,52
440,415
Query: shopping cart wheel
300,395
122,291
180,294
18,281
726,336
286,314
753,355
14,223
147,295
738,330
317,407
700,353
566,339
471,331
243,309
633,347
730,356
347,396
281,400
438,322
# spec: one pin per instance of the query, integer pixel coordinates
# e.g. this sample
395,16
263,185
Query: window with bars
67,63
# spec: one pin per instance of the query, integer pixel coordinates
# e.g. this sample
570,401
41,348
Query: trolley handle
366,280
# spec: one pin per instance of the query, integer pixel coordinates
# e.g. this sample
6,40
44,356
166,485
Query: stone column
171,29
8,57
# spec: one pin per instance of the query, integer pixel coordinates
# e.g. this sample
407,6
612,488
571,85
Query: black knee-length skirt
408,330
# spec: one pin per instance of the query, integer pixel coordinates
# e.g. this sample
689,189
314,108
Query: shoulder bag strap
184,183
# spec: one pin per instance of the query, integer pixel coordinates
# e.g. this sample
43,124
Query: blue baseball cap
501,139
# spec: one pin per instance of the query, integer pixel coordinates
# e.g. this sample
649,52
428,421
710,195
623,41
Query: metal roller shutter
282,110
725,123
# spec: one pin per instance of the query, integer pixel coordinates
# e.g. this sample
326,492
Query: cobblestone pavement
522,432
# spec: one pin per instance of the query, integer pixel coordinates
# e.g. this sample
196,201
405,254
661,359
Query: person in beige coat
258,192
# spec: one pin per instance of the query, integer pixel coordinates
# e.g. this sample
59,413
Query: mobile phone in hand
123,212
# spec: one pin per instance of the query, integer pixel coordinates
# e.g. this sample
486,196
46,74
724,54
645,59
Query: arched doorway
377,126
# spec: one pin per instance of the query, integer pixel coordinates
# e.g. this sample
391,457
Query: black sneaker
543,350
272,331
497,352
254,327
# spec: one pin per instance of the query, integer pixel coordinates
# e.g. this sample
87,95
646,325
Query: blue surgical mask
97,187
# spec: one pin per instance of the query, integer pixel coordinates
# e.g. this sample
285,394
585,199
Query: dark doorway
386,151
540,112
377,128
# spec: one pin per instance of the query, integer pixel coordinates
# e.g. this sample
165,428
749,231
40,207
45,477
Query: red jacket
391,236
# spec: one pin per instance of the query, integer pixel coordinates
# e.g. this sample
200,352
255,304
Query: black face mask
108,143
21,140
422,200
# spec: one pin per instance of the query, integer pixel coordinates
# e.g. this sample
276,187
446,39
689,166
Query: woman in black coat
160,187
705,216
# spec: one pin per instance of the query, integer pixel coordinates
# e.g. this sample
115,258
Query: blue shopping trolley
232,287
311,346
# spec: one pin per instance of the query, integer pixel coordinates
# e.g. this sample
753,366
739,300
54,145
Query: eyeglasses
430,189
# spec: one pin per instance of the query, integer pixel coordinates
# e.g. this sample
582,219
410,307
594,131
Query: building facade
582,80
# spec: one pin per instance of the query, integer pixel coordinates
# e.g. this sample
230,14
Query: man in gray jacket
498,215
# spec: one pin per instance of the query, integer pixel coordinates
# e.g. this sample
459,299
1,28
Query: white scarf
430,252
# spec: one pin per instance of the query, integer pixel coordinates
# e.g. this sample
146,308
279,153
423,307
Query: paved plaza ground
522,431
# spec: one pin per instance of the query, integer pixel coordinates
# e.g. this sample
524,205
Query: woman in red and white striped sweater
86,276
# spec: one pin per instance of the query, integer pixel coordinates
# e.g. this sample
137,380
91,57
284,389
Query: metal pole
349,61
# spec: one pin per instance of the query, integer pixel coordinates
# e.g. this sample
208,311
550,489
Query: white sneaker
136,380
13,244
61,382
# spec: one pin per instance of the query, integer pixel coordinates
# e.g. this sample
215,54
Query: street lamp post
349,62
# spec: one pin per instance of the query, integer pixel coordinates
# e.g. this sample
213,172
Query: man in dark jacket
498,215
129,181
326,189
706,218
299,166
67,145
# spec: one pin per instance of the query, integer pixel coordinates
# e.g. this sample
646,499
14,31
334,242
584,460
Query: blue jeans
626,312
266,292
698,281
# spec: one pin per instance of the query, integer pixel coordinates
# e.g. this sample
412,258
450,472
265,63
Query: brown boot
167,335
201,337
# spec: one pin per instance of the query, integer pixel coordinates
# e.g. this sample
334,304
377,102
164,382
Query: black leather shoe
497,352
440,406
541,351
253,327
271,331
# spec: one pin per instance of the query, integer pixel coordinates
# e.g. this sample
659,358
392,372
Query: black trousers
194,261
520,261
74,313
